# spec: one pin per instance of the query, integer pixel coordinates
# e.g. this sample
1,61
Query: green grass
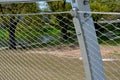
30,35
3,35
35,66
33,35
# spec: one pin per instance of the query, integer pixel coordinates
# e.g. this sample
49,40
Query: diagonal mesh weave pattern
39,47
108,34
45,46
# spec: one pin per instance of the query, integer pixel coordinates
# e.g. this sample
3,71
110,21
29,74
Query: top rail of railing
108,13
69,12
24,1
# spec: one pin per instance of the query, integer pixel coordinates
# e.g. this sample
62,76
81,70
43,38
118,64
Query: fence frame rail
24,1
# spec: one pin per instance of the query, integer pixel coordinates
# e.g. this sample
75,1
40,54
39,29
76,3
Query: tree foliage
18,8
64,21
104,6
59,6
11,22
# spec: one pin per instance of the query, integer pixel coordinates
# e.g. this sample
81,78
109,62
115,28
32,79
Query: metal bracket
74,12
87,16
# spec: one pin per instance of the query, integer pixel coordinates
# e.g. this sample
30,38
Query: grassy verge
43,36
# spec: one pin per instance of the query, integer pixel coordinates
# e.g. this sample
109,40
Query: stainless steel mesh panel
39,47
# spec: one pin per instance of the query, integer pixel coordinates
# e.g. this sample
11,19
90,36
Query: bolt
79,33
74,12
86,2
86,15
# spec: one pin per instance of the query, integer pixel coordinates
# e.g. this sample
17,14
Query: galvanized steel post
87,39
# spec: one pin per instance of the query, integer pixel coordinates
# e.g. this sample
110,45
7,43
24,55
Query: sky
42,4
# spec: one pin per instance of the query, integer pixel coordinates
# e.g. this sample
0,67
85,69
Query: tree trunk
12,40
12,28
64,28
64,31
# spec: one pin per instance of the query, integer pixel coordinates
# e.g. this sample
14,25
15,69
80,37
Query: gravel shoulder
74,52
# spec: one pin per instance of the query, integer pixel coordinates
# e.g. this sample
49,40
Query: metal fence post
88,41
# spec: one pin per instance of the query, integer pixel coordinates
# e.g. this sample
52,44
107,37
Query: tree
12,21
104,6
59,6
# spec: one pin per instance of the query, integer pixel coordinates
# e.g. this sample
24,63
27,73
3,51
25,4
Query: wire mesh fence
39,47
45,46
109,39
108,33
